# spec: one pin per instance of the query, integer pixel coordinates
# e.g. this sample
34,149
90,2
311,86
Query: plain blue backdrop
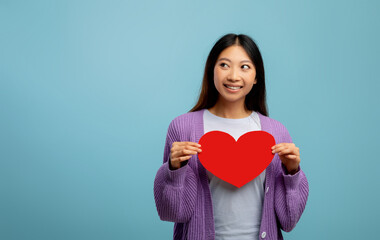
88,89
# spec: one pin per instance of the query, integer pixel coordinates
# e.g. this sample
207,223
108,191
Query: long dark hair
256,99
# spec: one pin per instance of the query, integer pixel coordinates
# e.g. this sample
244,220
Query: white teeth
233,88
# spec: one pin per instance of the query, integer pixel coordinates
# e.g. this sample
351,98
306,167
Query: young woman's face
234,74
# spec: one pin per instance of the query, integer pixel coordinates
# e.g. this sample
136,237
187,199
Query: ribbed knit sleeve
291,193
174,190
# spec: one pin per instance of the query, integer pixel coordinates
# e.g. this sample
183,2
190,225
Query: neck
233,110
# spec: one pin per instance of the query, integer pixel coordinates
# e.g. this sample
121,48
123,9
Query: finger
181,145
278,145
282,145
291,156
187,152
189,143
180,148
287,151
184,158
181,159
193,148
278,149
194,144
182,152
285,147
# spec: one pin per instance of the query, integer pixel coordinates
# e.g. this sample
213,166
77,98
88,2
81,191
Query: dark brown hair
256,99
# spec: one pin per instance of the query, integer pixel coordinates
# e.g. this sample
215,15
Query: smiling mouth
232,87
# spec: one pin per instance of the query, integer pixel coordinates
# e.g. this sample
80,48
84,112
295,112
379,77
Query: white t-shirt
237,211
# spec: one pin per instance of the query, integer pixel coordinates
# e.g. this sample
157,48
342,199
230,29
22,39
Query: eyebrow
228,60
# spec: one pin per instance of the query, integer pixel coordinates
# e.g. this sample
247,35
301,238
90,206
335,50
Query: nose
233,75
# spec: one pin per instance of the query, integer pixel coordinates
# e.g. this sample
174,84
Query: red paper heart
236,162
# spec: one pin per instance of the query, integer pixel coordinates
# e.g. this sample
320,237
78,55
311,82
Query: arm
291,193
175,191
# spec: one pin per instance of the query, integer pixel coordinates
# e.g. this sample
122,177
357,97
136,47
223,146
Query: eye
223,65
247,67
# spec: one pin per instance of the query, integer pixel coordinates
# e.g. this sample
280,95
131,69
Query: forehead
234,53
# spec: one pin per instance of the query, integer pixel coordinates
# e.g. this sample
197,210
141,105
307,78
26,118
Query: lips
232,87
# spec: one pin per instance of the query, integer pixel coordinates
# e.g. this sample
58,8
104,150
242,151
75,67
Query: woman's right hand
182,151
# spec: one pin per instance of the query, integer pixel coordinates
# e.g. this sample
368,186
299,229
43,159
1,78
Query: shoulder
271,122
186,119
185,123
276,128
189,116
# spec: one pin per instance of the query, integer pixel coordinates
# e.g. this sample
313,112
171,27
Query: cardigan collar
199,131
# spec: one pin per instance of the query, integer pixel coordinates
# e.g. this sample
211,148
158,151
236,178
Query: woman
203,206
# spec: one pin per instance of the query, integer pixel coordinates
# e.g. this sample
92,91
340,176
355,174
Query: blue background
88,89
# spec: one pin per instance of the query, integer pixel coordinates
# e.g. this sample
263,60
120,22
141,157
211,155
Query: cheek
217,77
252,77
250,85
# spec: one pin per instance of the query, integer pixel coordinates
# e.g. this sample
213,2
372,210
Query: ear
254,82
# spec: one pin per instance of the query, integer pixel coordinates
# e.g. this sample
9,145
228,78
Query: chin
232,100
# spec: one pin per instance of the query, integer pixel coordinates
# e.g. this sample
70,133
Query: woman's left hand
289,155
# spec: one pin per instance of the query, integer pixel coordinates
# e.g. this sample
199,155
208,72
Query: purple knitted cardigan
183,196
